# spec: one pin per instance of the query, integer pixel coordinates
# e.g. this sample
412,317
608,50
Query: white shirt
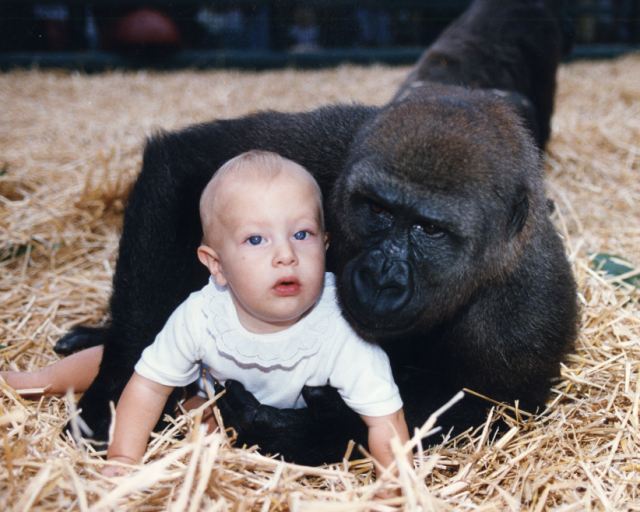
319,349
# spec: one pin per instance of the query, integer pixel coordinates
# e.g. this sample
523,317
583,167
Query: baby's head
252,172
264,238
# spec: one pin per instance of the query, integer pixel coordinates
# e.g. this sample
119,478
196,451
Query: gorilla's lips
287,287
378,304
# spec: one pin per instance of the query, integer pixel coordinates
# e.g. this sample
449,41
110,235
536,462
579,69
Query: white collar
283,349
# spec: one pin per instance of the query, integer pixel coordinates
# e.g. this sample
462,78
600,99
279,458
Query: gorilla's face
422,213
409,251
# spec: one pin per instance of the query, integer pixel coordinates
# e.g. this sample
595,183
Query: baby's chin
283,320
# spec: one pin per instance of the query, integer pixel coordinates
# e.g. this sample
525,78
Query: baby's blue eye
301,235
255,240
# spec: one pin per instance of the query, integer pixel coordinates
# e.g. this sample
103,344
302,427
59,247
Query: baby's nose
285,255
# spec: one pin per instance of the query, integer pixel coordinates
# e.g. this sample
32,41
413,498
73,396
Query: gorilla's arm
314,436
157,266
525,326
506,344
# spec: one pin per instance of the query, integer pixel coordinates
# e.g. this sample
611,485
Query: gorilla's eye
378,209
379,218
430,229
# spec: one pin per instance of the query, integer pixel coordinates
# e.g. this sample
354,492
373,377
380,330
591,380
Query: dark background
100,34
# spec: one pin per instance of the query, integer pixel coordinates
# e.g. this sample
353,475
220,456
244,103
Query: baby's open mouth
287,286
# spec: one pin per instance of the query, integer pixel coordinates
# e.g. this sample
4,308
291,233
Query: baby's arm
138,411
381,430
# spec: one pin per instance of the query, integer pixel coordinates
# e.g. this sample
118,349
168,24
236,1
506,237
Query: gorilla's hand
238,407
314,435
326,404
79,338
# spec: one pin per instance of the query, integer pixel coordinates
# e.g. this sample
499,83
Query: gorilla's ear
519,212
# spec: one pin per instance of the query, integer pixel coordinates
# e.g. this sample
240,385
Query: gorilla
442,245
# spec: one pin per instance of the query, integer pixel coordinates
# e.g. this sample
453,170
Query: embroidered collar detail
283,349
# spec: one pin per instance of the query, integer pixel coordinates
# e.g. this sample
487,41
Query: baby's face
270,246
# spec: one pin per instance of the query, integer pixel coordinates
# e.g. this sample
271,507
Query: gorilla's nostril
364,285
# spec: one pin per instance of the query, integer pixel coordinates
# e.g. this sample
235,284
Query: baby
268,317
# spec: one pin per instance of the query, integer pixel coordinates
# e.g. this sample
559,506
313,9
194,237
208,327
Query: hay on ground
70,147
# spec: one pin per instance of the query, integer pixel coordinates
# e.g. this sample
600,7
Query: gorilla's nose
382,286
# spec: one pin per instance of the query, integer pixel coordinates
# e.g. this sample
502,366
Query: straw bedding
70,147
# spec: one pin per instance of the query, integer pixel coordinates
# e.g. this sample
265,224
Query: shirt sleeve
173,358
362,375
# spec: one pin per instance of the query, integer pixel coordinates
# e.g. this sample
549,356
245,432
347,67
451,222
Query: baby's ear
327,240
209,258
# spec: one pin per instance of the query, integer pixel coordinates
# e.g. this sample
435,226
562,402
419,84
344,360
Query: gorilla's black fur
441,241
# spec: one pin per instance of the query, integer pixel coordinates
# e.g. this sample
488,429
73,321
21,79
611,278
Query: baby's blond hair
254,164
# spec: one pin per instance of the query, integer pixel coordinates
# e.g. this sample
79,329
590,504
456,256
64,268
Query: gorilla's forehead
456,158
429,170
397,183
465,139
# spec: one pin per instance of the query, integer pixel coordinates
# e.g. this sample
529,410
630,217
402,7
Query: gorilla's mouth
375,325
378,304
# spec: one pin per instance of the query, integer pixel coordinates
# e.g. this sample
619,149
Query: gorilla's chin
374,326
